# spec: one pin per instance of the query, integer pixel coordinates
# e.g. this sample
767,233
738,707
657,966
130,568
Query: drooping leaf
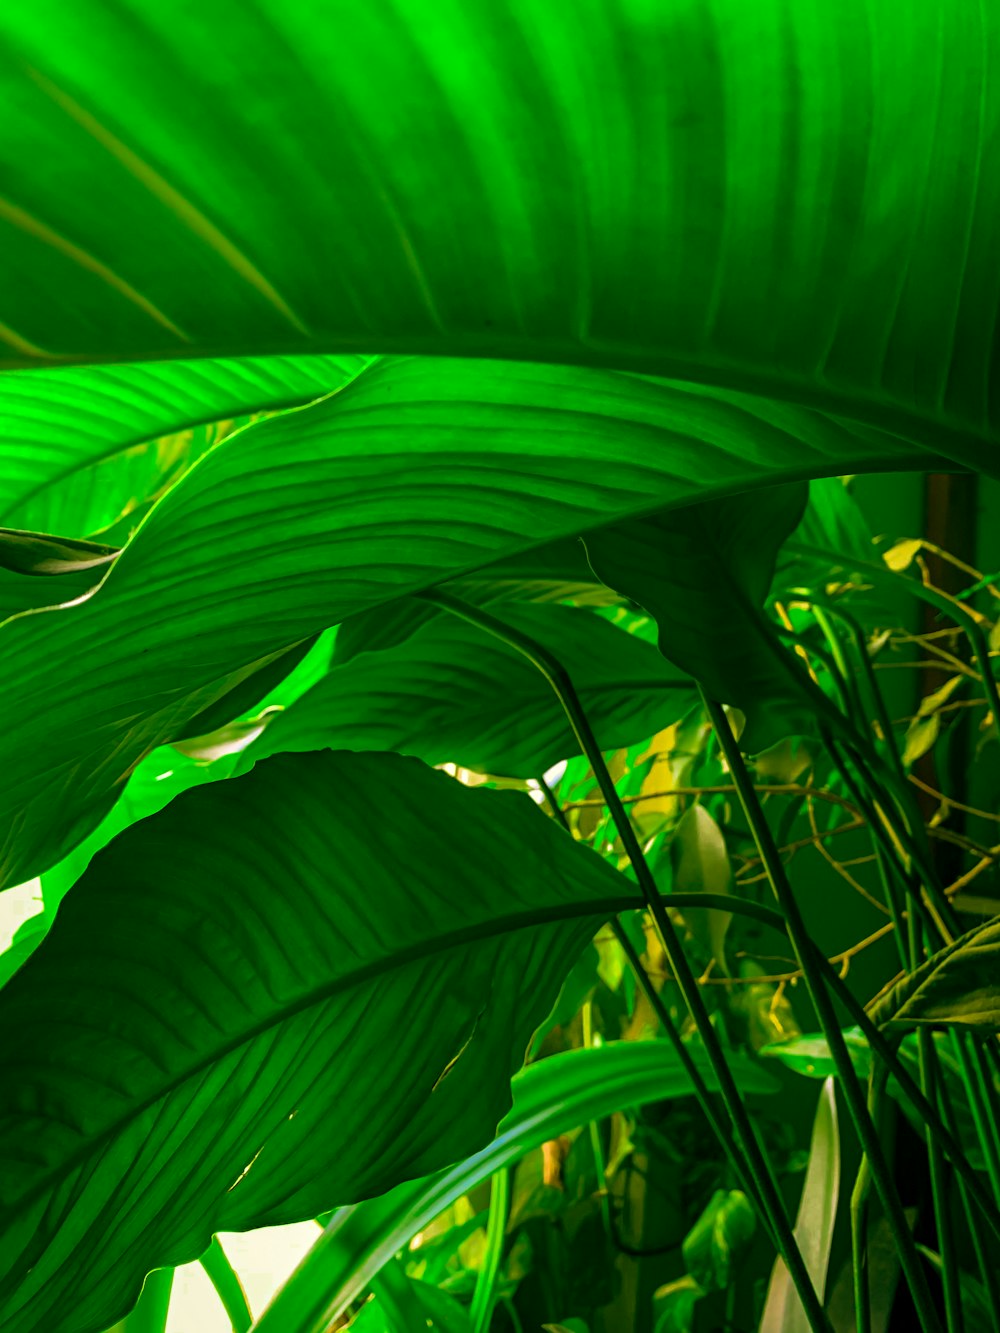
80,443
417,471
550,1098
798,201
701,865
453,693
959,984
814,1224
263,956
925,726
703,573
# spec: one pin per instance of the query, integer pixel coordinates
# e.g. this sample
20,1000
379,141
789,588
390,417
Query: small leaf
814,1225
902,555
923,731
959,984
701,865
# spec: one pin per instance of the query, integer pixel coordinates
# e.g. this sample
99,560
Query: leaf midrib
439,944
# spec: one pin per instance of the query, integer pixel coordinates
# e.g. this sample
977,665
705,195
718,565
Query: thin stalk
822,1002
974,1078
859,1211
702,1093
984,1263
757,1163
485,1293
954,610
594,1132
736,1163
939,1193
228,1286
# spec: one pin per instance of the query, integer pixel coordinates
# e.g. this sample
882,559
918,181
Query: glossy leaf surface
800,200
238,958
452,693
416,472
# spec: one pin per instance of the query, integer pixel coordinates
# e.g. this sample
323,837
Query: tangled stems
764,1186
822,1002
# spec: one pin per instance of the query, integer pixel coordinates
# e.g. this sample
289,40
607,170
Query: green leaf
82,446
550,1098
959,984
704,573
452,693
150,1314
809,1054
701,865
552,573
240,957
417,471
924,729
795,201
718,1239
814,1224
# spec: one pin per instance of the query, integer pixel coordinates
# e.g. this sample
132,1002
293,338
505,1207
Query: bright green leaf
417,471
701,865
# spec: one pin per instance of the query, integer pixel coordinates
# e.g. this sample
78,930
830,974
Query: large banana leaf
417,471
791,197
550,1098
454,693
270,999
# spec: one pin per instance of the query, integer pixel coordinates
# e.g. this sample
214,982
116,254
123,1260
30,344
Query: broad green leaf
550,1098
82,445
37,570
797,200
959,984
418,471
814,1225
703,574
701,865
348,941
453,693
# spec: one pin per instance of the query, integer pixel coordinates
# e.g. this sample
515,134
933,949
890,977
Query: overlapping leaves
238,959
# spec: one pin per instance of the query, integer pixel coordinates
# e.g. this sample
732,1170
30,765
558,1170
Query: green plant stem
150,1312
484,1295
954,610
822,1002
705,1098
859,1211
656,1003
759,1167
974,1078
929,1074
228,1286
879,1043
984,1263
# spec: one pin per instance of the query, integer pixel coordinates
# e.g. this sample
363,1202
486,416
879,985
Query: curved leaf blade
550,1098
416,472
222,1034
451,693
794,200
